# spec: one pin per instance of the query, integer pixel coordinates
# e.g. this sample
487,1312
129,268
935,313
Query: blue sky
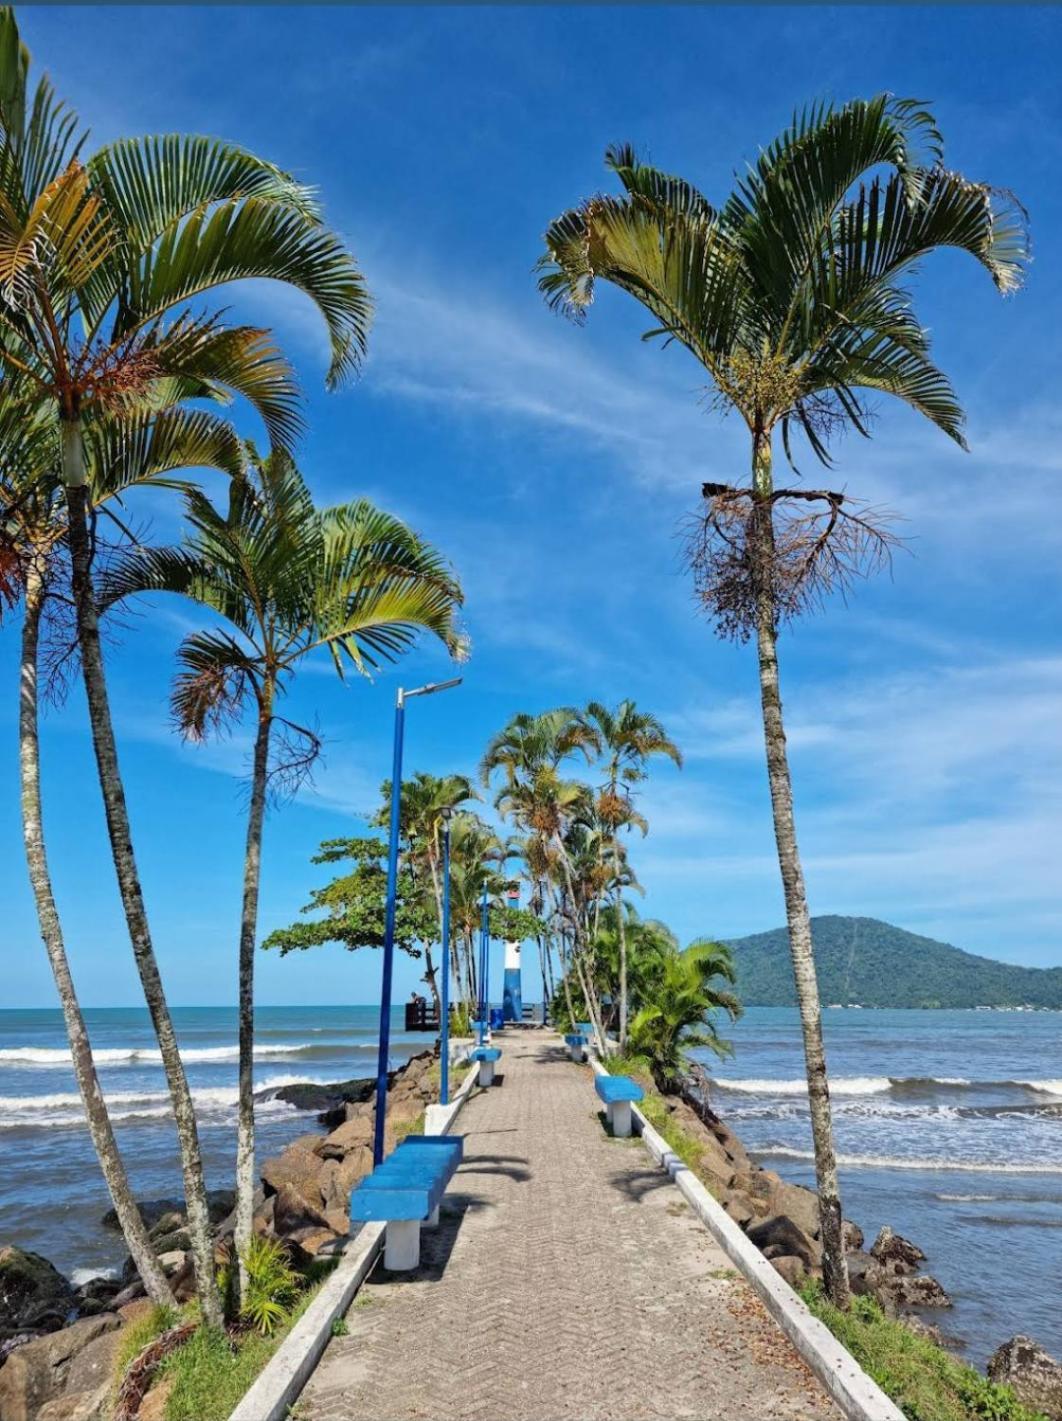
554,465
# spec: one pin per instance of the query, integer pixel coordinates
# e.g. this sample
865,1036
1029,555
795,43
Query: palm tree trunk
430,978
585,979
623,957
243,1228
834,1266
101,1131
120,835
429,968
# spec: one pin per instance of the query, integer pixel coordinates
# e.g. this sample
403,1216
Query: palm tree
122,454
426,800
476,858
682,991
103,264
528,751
290,580
628,738
789,296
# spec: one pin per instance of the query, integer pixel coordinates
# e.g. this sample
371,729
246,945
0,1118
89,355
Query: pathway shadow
436,1245
637,1184
512,1166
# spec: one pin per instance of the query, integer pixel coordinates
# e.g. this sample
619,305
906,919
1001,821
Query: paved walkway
568,1282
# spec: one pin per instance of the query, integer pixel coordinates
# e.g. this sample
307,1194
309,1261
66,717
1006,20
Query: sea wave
881,1085
64,1108
950,1166
143,1055
843,1085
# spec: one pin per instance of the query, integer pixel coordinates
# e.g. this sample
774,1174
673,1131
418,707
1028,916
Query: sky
554,465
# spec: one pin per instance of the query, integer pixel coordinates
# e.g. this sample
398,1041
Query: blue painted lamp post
484,966
444,1026
392,896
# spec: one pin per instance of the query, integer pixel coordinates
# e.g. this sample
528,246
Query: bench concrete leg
576,1052
486,1073
402,1250
432,1221
620,1113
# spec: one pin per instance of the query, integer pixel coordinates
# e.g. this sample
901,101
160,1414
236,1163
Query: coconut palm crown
789,293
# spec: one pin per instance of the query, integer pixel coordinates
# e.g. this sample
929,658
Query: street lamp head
429,689
446,813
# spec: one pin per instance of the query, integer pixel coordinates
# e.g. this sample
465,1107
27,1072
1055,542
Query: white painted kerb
292,1364
860,1398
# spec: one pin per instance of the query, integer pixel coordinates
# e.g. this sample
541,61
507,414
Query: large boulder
292,1212
742,1208
353,1134
297,1168
779,1236
34,1296
894,1250
852,1235
794,1270
219,1201
795,1202
1033,1374
338,1178
38,1372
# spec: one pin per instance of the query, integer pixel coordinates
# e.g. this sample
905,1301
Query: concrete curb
860,1398
279,1383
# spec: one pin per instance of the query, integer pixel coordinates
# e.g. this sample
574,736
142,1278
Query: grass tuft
926,1382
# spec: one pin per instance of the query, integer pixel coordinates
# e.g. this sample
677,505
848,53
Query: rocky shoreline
781,1219
58,1342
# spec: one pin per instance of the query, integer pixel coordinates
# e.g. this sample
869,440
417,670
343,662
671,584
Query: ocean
52,1195
949,1128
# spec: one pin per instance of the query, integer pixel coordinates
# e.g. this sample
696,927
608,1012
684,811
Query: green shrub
926,1382
272,1285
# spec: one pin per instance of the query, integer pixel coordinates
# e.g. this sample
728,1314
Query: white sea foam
85,1275
1043,1087
898,1162
844,1085
143,1055
65,1108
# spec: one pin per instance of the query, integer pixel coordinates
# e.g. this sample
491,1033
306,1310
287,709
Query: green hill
864,961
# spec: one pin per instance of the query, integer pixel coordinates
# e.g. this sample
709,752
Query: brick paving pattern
568,1281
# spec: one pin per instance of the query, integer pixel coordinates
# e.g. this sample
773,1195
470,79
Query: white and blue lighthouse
512,994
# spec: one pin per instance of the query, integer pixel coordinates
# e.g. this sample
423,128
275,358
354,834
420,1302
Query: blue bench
486,1057
617,1092
576,1043
405,1191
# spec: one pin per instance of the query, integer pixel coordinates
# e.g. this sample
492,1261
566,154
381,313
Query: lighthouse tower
512,995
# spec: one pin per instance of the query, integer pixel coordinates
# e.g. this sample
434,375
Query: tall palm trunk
834,1266
582,970
623,954
252,876
429,966
120,836
101,1131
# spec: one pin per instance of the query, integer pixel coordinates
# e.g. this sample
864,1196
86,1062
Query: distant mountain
864,961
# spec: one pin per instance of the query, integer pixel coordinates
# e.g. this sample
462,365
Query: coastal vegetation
287,580
874,964
789,296
926,1382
